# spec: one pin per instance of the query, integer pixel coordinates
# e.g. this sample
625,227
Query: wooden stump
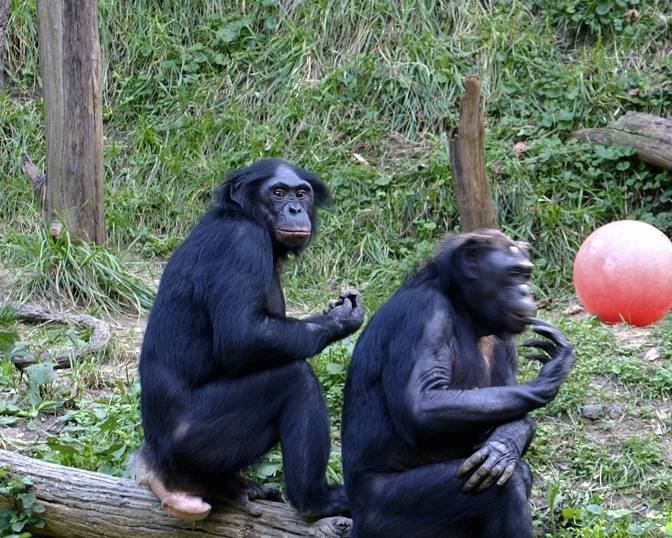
650,136
82,504
71,78
467,161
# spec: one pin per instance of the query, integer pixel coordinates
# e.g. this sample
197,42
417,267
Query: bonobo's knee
525,475
301,380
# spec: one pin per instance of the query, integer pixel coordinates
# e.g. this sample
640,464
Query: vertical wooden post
71,78
467,161
4,19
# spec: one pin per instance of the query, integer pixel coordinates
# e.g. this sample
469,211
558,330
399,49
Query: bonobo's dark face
507,302
289,203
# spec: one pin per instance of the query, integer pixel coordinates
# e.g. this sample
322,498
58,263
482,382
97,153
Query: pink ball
623,272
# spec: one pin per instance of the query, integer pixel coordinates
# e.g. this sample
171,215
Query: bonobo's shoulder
224,228
415,305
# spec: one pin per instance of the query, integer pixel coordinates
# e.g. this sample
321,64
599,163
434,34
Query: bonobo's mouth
293,239
282,233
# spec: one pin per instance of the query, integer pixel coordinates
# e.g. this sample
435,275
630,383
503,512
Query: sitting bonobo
223,369
434,424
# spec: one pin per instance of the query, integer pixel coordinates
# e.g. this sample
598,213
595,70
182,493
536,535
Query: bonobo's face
289,203
505,275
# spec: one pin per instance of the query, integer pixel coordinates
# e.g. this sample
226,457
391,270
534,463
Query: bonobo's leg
428,502
229,425
304,435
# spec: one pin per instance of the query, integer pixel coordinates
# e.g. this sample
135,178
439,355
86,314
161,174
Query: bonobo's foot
180,504
243,491
334,503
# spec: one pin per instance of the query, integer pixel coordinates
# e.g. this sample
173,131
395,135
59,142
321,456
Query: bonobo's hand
556,355
347,311
494,462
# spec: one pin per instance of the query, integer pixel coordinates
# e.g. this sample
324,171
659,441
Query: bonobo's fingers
350,293
508,473
332,304
244,504
543,359
546,345
495,463
472,461
265,493
549,331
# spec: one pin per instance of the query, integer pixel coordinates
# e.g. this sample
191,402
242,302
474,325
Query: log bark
99,337
4,19
83,504
71,78
650,136
467,161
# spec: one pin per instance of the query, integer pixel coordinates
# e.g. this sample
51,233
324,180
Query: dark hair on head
240,186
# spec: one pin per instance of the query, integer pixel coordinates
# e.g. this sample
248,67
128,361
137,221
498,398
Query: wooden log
467,161
82,504
71,79
650,136
100,335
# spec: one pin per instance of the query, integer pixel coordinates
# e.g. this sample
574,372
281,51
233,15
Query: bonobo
433,417
223,369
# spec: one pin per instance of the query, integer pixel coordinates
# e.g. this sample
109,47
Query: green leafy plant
24,510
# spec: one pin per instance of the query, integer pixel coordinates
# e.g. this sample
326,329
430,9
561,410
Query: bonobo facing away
223,369
434,424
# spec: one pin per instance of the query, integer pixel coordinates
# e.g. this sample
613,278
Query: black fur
223,370
431,382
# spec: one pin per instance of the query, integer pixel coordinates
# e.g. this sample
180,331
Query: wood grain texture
650,136
83,504
70,66
467,160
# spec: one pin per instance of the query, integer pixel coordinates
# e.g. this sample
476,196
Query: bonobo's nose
295,209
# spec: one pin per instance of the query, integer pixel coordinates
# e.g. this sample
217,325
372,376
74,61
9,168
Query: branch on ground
99,338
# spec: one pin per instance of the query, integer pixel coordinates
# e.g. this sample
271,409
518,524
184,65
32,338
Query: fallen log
83,504
100,335
650,136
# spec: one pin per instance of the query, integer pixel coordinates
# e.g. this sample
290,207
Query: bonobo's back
368,433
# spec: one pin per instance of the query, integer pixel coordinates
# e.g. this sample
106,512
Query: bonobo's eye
279,193
301,193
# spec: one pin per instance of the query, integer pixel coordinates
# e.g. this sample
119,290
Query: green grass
365,94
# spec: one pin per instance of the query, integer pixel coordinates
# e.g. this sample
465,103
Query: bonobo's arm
246,336
496,458
434,406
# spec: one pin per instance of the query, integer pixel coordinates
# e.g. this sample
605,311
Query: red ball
623,272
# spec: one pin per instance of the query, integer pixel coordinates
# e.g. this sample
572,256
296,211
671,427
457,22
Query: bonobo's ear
321,192
232,194
459,256
469,254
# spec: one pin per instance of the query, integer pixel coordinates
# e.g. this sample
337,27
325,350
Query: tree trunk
82,504
71,79
650,136
467,161
4,18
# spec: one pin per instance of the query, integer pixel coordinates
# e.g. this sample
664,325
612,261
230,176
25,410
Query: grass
364,93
